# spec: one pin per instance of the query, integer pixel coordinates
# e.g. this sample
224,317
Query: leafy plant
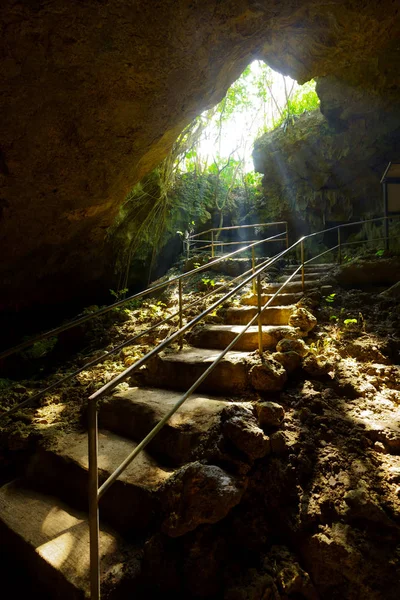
330,299
379,253
208,283
119,295
350,321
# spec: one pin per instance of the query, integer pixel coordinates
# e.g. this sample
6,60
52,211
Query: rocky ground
320,514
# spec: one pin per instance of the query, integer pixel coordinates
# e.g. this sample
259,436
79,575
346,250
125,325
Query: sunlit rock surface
94,93
326,167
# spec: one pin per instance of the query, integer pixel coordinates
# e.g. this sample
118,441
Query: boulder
316,366
298,346
242,429
290,361
269,376
199,494
303,319
270,414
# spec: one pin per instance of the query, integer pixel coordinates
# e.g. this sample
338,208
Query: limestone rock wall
93,94
327,166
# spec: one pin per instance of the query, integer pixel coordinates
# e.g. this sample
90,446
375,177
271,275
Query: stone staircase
43,519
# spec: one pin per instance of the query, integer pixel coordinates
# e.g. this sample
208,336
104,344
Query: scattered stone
317,366
243,431
379,447
363,506
269,376
326,290
194,261
290,361
270,414
278,443
19,389
199,494
303,319
287,345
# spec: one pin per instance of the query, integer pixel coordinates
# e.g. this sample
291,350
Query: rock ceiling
93,94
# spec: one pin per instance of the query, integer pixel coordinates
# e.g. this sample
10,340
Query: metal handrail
223,243
95,493
33,399
237,227
147,291
194,239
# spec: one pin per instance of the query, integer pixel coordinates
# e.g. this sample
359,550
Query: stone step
130,504
219,336
272,315
179,370
281,299
291,287
50,540
134,412
311,267
235,266
308,276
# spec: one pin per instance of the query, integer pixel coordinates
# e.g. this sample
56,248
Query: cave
77,129
93,96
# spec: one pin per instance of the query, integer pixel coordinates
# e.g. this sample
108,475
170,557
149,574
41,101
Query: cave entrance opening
208,179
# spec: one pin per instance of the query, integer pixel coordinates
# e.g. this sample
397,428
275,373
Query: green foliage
5,383
303,100
208,283
380,253
330,299
119,295
350,321
40,349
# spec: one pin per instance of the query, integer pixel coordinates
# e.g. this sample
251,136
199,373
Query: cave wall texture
93,94
326,167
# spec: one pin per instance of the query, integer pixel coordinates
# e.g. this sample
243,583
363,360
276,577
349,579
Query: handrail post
253,266
287,236
302,264
212,245
339,241
180,312
260,340
93,502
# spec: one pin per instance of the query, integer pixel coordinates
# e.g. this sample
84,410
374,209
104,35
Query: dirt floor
321,515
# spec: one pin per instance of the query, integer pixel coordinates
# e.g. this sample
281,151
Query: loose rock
199,494
303,319
269,376
317,366
243,431
287,345
290,361
270,414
